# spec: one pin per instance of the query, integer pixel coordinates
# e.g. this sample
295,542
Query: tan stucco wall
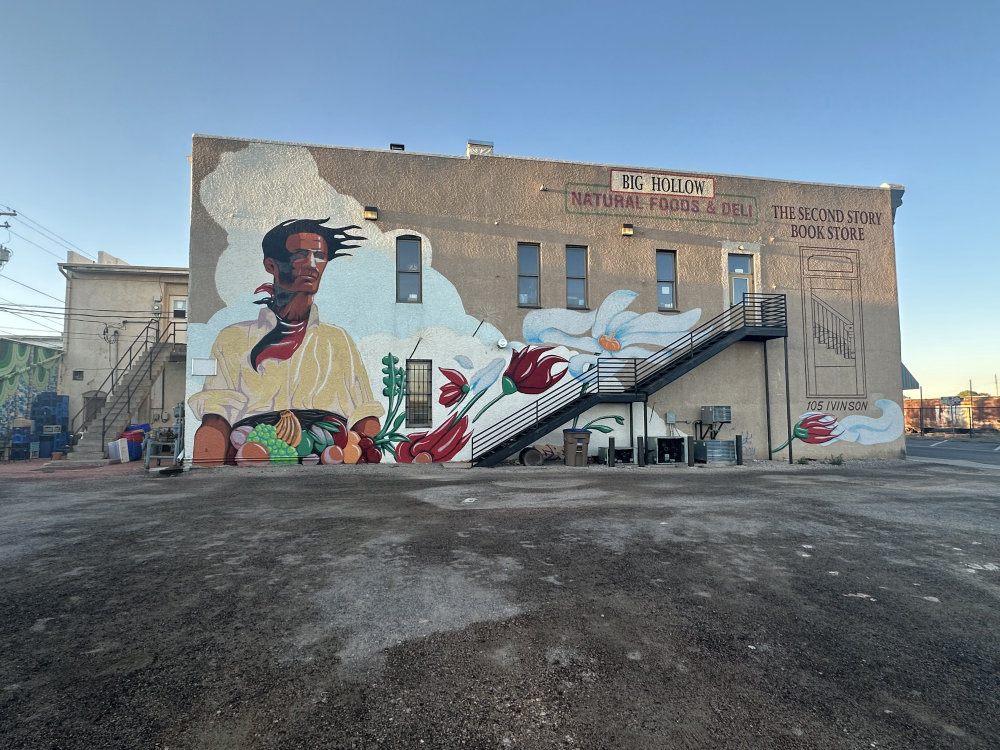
115,294
472,212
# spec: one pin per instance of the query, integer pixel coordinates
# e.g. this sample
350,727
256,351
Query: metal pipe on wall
788,403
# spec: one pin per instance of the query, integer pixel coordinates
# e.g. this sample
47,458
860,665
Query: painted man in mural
286,370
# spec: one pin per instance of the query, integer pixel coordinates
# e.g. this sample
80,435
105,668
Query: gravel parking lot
765,606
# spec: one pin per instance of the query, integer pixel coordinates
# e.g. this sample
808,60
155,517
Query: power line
31,288
54,255
36,322
44,231
117,311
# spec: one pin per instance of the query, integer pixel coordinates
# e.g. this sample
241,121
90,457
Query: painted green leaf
600,428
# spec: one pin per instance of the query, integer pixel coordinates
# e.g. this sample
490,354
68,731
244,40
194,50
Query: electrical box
669,450
622,455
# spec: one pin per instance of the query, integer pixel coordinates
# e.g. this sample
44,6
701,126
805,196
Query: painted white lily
610,331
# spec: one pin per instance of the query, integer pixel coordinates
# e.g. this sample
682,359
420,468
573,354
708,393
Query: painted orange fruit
332,455
352,452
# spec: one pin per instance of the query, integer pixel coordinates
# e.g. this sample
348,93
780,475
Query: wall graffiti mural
25,370
531,371
304,360
612,332
816,428
307,348
286,370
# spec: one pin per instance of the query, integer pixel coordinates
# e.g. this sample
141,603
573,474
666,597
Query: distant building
952,414
469,308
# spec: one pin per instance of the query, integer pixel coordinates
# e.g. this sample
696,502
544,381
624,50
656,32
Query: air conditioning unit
715,451
712,414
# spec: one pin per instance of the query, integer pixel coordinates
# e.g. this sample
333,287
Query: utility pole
5,253
972,413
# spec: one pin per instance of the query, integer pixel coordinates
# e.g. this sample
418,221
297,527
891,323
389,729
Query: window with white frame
576,276
528,268
408,263
666,278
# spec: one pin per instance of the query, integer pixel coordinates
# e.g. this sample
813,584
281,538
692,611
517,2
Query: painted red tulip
817,428
455,389
530,372
440,444
814,428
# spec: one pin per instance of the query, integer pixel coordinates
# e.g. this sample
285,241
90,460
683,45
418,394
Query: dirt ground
765,606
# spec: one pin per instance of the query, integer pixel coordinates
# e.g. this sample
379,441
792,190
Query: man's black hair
336,238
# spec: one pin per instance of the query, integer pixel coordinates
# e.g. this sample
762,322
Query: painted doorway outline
832,322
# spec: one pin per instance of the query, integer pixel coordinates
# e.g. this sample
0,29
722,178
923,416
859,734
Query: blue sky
101,99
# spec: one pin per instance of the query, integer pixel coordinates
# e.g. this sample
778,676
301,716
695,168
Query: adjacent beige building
514,291
109,305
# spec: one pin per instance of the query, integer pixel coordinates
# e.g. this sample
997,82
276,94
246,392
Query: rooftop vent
478,148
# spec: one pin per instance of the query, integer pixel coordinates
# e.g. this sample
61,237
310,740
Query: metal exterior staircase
758,317
129,384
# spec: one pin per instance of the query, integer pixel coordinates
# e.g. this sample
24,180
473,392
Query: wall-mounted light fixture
627,230
397,147
371,213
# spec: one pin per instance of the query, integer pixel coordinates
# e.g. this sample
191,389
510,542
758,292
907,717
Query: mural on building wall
310,345
287,370
25,370
817,428
310,365
610,333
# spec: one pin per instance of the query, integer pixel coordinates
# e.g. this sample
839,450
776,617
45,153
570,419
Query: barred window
418,393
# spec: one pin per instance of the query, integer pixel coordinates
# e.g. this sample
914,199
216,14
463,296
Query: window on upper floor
528,268
576,276
408,267
666,271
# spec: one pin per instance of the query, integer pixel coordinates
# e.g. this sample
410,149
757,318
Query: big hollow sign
660,183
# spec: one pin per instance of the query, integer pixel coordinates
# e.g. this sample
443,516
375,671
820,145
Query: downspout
767,401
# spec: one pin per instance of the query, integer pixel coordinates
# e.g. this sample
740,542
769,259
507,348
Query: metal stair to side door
130,384
758,317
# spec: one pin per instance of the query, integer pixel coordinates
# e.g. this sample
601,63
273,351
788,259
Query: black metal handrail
124,378
135,381
135,350
626,375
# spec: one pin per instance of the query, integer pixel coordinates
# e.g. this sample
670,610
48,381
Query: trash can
575,446
134,437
